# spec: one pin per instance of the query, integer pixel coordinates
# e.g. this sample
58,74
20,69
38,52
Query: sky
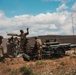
42,17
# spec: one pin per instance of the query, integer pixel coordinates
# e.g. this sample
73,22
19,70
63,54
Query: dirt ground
55,66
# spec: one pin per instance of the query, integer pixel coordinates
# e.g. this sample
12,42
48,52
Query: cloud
57,23
74,7
62,1
62,7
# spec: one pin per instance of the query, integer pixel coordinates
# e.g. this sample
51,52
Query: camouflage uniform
27,47
8,47
1,49
11,46
38,47
23,39
16,41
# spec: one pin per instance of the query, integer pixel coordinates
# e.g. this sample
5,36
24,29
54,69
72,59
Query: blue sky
18,7
34,7
49,16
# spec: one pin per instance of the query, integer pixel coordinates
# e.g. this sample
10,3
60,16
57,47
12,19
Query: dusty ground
56,66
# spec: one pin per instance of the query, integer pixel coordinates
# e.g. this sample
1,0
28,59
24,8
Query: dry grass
59,66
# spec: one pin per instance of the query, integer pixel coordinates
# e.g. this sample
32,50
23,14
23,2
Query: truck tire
60,51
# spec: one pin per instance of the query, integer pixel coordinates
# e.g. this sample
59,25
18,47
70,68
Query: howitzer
54,48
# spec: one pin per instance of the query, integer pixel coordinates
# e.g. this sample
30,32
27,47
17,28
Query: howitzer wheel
60,51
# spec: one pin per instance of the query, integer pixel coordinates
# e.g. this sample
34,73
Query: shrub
7,70
62,63
40,63
14,72
26,71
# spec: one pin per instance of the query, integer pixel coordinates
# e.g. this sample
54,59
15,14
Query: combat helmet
1,37
21,31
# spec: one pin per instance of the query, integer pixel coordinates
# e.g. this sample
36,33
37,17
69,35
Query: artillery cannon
48,49
55,48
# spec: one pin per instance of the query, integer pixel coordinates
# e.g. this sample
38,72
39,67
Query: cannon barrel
11,34
73,46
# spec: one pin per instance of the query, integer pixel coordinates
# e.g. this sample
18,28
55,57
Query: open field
55,66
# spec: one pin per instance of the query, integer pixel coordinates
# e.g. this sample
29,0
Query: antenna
73,32
72,25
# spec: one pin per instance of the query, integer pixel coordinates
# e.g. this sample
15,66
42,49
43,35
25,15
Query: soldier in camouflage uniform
27,47
23,38
11,46
16,41
38,47
1,49
8,46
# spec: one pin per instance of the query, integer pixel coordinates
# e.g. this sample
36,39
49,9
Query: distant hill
59,38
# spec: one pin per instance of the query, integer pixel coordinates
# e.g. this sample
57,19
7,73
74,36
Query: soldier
8,46
1,49
23,35
16,41
23,38
38,47
27,47
11,46
12,39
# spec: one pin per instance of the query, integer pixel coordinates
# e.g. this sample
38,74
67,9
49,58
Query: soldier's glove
27,29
